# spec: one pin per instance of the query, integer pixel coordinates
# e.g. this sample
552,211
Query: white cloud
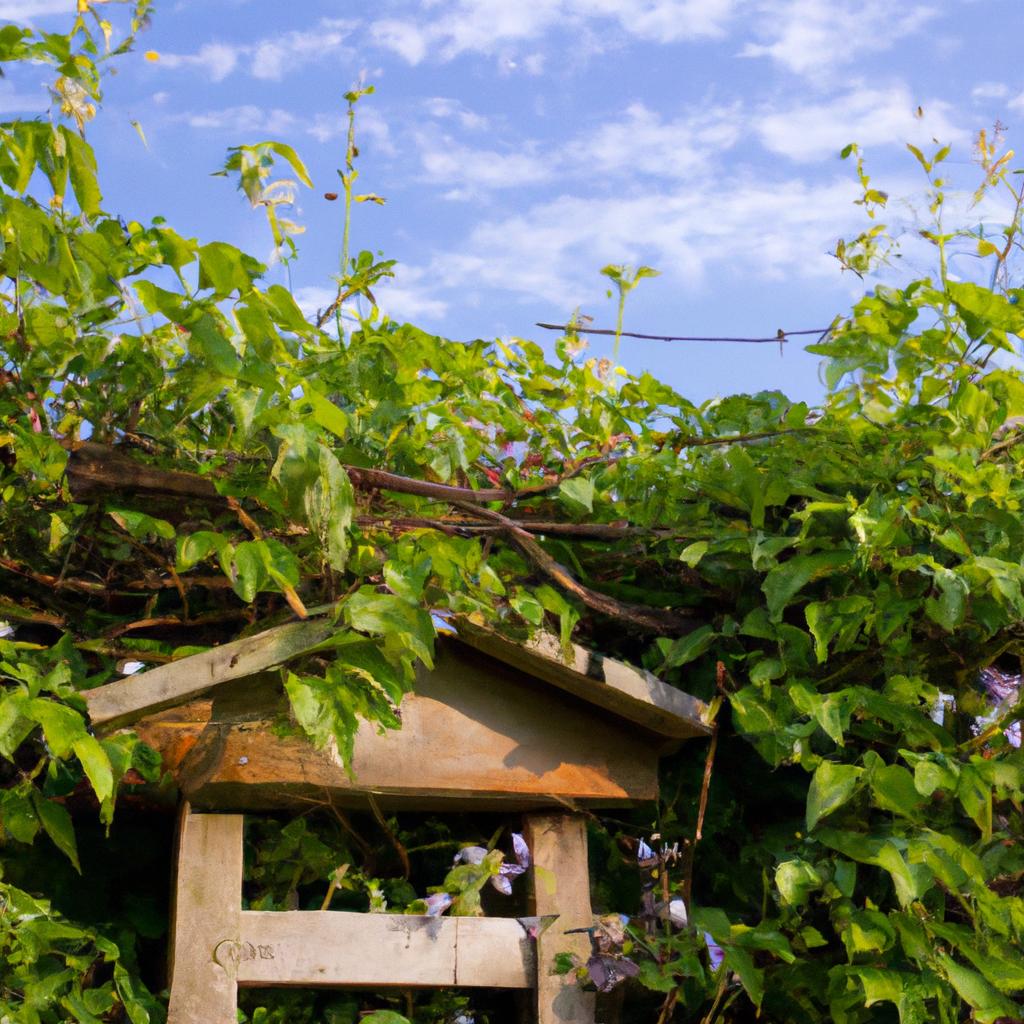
442,108
410,295
989,91
814,37
467,171
815,131
642,142
216,60
1017,103
768,229
274,57
241,119
372,130
271,58
491,26
26,10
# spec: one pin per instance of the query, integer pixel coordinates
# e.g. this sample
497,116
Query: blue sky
521,146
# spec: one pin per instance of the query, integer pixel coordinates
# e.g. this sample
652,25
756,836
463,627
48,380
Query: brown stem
652,619
81,586
453,525
173,620
403,854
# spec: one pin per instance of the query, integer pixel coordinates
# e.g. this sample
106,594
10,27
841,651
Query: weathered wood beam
631,693
333,948
561,885
205,920
127,700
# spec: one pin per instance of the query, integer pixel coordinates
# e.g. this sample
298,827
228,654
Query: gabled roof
629,693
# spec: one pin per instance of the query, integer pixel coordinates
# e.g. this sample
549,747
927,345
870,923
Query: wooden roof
629,693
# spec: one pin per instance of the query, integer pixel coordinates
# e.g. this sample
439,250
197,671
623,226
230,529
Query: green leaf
330,503
293,158
57,823
577,493
982,997
141,526
693,553
893,789
796,880
226,269
62,726
209,343
832,786
948,611
18,816
327,414
751,977
191,550
82,168
96,765
786,580
690,647
132,995
387,615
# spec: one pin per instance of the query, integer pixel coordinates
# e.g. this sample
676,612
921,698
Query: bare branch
779,338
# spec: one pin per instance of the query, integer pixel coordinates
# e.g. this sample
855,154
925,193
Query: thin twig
655,619
778,338
403,855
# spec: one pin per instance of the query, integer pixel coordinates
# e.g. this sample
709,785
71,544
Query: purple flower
437,903
715,953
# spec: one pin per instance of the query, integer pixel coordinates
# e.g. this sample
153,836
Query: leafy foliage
186,458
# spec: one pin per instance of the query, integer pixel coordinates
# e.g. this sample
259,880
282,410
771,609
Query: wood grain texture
630,693
475,731
314,949
205,921
561,885
127,700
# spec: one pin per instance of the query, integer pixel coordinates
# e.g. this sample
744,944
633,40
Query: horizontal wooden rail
314,949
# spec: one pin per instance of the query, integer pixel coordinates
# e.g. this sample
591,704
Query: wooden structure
495,725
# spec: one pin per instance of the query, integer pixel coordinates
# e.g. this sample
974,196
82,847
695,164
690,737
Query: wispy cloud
467,171
410,295
241,119
989,91
271,58
442,108
816,37
215,60
644,142
767,229
490,26
26,10
865,115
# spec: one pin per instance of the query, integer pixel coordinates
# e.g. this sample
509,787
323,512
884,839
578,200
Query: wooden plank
631,693
335,948
205,921
561,886
127,700
475,729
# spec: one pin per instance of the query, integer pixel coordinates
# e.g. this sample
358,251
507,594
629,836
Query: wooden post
206,920
561,886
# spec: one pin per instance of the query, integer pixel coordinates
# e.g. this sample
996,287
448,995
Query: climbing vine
186,459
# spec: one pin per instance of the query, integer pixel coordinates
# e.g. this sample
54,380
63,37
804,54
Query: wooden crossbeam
217,946
311,949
